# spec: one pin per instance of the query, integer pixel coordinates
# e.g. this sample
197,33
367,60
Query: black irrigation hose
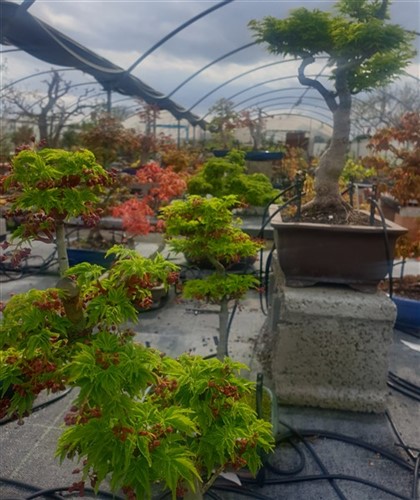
406,383
239,490
353,441
400,388
290,472
334,477
49,491
15,273
415,487
40,406
316,457
402,443
374,204
25,486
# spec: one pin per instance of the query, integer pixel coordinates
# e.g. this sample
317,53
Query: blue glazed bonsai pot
408,314
78,255
253,155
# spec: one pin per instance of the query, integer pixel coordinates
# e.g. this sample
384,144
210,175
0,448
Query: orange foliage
400,169
161,186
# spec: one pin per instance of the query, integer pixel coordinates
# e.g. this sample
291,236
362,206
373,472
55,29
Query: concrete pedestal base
327,346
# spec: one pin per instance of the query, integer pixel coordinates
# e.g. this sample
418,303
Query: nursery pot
311,253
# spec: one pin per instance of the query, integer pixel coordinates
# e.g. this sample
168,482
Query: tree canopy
358,40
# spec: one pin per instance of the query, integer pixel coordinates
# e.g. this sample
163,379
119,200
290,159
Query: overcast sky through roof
122,31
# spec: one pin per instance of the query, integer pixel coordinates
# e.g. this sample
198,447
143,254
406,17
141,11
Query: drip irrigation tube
12,273
40,406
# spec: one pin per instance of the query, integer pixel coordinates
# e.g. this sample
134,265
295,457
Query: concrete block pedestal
327,346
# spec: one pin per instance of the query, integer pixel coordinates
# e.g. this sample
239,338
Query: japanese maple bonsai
205,230
399,174
156,186
140,418
227,176
363,49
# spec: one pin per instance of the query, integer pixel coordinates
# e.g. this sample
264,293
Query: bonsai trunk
331,164
63,262
222,346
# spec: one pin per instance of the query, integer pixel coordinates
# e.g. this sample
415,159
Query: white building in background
276,129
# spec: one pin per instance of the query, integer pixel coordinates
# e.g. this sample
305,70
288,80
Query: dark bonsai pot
312,253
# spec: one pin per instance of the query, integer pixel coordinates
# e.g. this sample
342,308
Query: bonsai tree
206,231
109,140
49,186
223,176
158,187
365,52
399,167
140,418
398,170
223,122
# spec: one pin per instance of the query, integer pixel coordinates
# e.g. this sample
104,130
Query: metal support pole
108,101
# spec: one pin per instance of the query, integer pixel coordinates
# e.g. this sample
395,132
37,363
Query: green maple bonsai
364,50
47,188
225,176
140,418
206,231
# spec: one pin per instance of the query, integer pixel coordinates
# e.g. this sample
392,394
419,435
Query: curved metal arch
306,103
278,105
224,56
291,99
236,78
265,93
70,87
253,86
33,75
175,31
303,116
260,84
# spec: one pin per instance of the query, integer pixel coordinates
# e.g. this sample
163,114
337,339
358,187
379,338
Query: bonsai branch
304,80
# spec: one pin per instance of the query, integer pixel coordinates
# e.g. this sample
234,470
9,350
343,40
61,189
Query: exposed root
332,211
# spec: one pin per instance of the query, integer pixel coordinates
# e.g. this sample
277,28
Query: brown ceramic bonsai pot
312,253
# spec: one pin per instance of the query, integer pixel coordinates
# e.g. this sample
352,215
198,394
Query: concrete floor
27,451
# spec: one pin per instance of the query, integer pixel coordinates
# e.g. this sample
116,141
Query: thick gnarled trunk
331,163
